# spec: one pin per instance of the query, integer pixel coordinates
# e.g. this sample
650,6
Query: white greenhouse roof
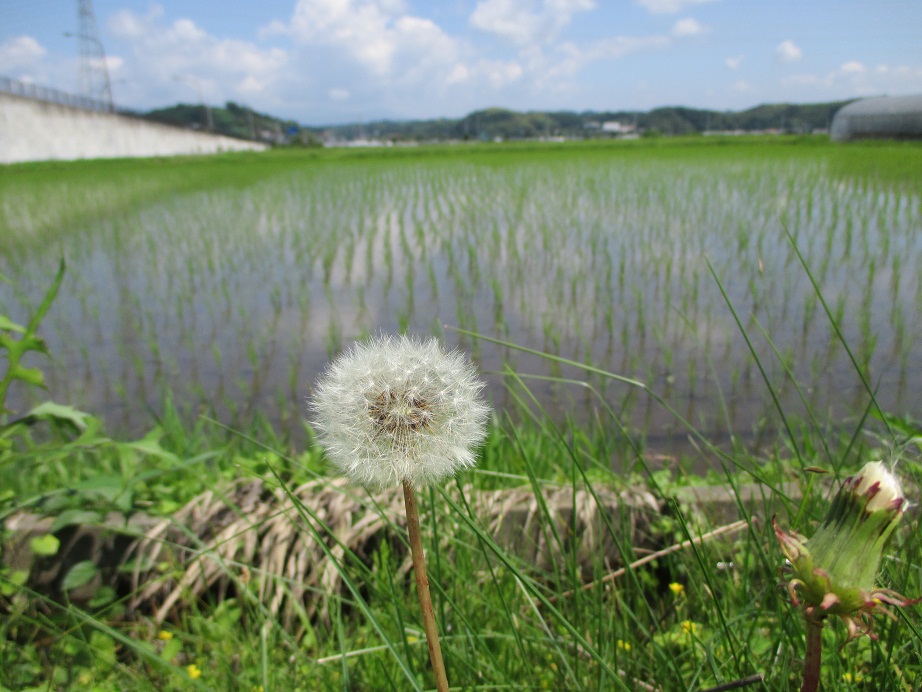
898,117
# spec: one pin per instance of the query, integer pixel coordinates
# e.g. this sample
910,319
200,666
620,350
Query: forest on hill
236,120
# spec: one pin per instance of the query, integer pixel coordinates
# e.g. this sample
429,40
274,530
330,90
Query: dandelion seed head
396,408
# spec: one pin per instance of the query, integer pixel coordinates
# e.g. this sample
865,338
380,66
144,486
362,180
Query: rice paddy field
645,315
230,288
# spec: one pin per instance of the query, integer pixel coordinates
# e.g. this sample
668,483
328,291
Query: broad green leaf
151,447
32,376
109,486
71,517
103,596
60,412
80,575
45,545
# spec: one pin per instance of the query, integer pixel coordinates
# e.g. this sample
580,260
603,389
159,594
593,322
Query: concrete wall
36,131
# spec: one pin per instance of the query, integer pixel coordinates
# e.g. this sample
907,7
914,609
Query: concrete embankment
32,130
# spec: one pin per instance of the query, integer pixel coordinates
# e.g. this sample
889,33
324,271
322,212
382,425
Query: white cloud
788,51
374,34
734,62
853,67
20,52
158,55
362,29
499,73
668,6
687,27
854,78
339,94
459,73
522,23
113,63
741,86
127,24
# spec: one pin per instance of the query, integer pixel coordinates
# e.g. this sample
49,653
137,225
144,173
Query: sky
323,62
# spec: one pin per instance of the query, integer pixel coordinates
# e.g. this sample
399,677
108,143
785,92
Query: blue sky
336,61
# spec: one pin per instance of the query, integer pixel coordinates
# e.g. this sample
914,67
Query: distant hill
497,123
493,123
232,120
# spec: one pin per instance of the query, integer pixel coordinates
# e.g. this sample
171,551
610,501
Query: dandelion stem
814,652
422,588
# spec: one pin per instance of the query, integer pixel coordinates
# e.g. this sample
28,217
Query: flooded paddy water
232,299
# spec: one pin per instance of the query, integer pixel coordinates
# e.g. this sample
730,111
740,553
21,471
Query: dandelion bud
398,409
834,571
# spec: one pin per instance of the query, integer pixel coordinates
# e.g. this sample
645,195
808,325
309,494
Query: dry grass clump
253,538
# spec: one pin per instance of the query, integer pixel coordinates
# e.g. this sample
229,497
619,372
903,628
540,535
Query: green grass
525,622
510,617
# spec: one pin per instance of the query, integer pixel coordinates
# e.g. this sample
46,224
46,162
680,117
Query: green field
647,315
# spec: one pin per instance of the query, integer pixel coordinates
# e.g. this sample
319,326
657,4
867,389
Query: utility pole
94,71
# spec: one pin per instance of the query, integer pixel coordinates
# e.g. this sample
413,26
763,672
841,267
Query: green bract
834,571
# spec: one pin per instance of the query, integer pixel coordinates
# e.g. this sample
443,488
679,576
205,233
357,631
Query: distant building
886,117
616,127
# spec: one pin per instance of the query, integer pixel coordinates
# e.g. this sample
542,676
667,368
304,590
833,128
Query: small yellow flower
194,671
848,677
624,646
163,635
411,639
677,588
85,678
689,627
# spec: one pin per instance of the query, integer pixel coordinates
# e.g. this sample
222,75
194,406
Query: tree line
498,123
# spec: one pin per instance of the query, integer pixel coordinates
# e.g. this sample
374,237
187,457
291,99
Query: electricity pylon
94,71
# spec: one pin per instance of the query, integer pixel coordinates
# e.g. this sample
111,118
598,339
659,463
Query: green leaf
32,376
103,596
28,342
60,413
171,650
12,580
48,299
9,325
104,648
150,446
75,516
79,575
45,545
109,486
